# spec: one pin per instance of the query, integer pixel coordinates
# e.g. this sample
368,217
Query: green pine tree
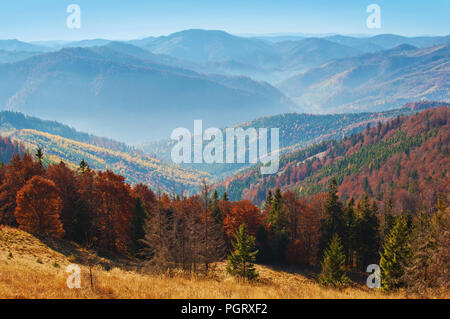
394,255
422,244
277,219
367,233
350,240
268,201
333,265
278,235
40,156
137,232
83,167
334,221
240,262
388,220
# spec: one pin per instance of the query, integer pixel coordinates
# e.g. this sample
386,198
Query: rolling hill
35,267
63,143
307,53
14,56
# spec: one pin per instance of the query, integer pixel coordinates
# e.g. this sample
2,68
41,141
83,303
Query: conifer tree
83,167
240,262
395,255
137,232
334,222
39,156
388,219
333,265
367,234
82,223
422,245
350,239
277,221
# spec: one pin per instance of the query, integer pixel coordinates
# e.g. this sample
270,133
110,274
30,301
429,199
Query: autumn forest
385,202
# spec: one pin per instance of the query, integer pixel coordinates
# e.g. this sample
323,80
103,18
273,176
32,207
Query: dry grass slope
36,268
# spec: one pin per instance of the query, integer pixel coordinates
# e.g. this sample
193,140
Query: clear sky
29,20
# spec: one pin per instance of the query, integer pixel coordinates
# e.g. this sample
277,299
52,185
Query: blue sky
129,19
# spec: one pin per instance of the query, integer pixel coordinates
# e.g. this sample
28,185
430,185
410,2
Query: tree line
100,211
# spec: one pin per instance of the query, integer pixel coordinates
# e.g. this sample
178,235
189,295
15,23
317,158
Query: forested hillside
11,121
8,148
63,143
405,159
297,131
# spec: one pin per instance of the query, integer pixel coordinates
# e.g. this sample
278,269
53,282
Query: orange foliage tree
242,212
18,172
39,207
143,192
67,185
114,206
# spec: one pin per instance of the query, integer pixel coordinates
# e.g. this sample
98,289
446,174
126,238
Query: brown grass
37,271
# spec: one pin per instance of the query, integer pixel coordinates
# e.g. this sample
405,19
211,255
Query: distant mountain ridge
373,82
264,58
140,90
115,94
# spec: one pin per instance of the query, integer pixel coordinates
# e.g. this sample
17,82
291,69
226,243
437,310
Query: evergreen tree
263,245
83,167
367,233
277,221
334,222
388,220
277,218
333,265
422,246
394,255
240,262
137,232
225,196
40,156
350,239
81,227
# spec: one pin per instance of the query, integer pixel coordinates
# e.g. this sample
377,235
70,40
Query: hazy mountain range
373,82
140,90
114,94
